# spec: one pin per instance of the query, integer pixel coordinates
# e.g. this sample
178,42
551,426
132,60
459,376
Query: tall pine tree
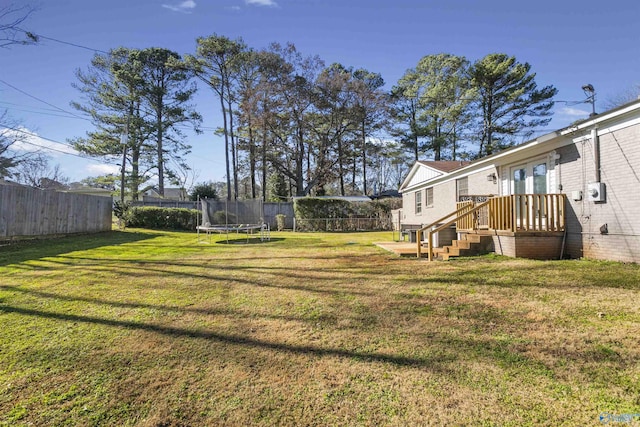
509,103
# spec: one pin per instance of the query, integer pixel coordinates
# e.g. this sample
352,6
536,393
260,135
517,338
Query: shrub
122,212
223,217
162,218
280,221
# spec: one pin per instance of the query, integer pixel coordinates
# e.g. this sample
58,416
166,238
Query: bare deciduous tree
36,171
11,17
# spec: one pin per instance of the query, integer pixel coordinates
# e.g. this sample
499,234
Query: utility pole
124,141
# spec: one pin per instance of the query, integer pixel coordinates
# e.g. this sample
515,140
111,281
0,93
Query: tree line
292,125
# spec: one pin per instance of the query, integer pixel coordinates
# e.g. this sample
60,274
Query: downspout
558,169
596,151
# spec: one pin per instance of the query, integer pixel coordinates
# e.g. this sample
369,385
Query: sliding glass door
530,178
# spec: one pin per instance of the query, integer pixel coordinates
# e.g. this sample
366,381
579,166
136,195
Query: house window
429,197
462,187
418,202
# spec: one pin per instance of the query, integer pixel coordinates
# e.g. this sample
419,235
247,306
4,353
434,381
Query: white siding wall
409,216
444,198
423,174
480,185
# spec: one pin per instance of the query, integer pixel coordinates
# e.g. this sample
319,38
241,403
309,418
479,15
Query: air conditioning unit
596,192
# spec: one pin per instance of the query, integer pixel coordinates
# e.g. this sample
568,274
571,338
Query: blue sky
568,43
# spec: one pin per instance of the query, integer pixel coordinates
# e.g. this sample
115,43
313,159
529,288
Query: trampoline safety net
231,212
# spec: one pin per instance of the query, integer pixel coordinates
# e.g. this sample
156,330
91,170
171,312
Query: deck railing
517,212
467,211
520,212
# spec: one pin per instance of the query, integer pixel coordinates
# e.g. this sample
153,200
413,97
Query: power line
71,115
35,37
27,106
572,103
41,100
47,112
41,112
55,142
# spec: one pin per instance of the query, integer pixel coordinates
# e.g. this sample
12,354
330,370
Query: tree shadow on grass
535,276
250,241
166,309
263,277
435,362
442,350
35,249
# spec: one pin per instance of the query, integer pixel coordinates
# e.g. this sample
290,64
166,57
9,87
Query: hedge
162,218
312,208
309,210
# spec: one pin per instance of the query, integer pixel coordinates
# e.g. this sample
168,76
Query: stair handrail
443,226
425,227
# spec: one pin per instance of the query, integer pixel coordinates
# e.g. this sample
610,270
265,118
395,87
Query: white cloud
573,112
269,3
97,170
26,140
185,6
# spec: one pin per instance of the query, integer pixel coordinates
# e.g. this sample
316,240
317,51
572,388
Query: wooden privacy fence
26,211
271,209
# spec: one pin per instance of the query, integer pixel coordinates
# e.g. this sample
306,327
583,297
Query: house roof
424,170
170,193
386,194
444,165
89,190
15,184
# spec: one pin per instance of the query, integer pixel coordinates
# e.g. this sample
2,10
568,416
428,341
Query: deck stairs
468,244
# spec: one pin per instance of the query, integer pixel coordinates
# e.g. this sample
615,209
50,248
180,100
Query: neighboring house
566,193
84,189
179,194
387,194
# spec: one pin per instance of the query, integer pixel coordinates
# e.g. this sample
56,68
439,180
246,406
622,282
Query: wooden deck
398,248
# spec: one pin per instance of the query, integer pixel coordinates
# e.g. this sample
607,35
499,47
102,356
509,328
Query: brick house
568,193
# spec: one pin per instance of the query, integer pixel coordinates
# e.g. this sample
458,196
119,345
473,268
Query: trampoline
249,230
232,217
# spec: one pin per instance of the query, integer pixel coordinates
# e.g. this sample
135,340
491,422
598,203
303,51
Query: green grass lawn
156,329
